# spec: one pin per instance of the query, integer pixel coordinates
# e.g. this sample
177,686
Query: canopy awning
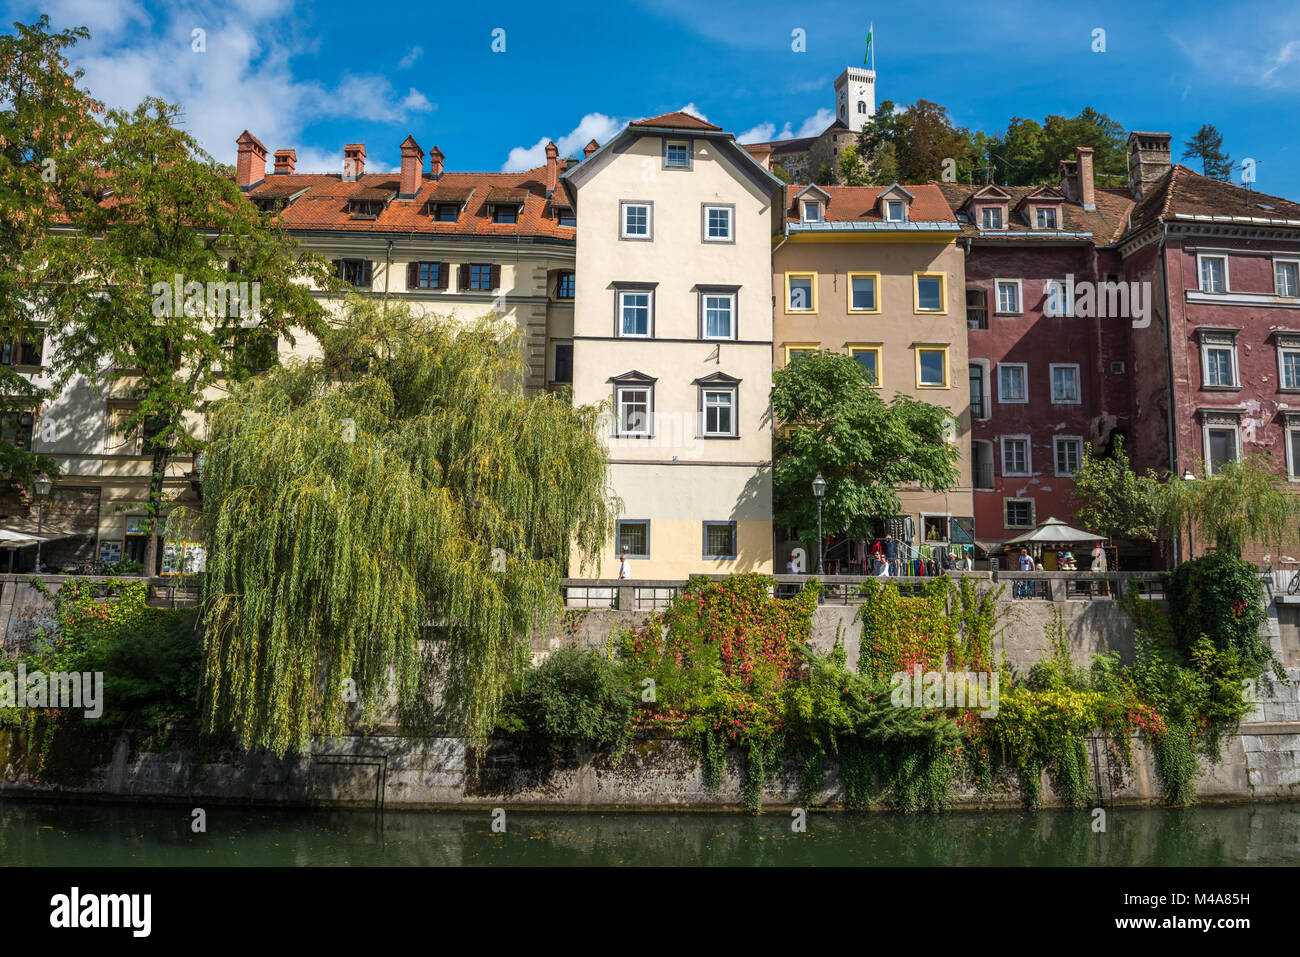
1054,532
11,538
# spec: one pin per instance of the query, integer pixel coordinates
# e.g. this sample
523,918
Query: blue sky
314,76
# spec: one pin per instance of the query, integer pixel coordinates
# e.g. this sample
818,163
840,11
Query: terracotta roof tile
1184,191
1106,222
858,204
677,120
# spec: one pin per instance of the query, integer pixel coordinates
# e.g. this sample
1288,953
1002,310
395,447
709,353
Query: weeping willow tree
391,519
1241,503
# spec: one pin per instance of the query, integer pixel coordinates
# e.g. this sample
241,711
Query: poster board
110,551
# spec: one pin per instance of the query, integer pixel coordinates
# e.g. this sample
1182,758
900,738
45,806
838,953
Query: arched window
862,106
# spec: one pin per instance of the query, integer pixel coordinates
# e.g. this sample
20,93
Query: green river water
37,833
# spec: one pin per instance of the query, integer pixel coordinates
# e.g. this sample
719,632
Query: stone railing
645,594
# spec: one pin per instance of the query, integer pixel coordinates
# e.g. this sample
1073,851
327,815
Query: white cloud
407,61
814,125
763,133
417,102
593,126
694,110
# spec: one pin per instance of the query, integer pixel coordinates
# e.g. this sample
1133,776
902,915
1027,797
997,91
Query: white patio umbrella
1054,532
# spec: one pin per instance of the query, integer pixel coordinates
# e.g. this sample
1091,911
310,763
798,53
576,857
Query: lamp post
819,491
41,486
1189,477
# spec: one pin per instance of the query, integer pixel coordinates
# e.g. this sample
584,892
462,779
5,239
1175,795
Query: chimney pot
354,161
285,161
435,162
251,165
552,164
589,149
412,163
1148,160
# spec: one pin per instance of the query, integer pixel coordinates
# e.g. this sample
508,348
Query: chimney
354,161
1087,192
435,163
251,168
1148,160
412,161
285,160
589,149
552,164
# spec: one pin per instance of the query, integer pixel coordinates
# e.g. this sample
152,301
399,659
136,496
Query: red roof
849,204
677,120
324,205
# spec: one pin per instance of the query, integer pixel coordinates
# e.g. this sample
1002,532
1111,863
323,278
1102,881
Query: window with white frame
718,315
862,292
991,217
636,220
1222,436
1065,384
1013,382
1219,359
1008,296
718,411
895,210
1286,277
717,224
635,404
1046,218
1018,513
1068,450
677,154
635,313
1292,420
1213,271
812,211
1056,298
1288,361
1015,455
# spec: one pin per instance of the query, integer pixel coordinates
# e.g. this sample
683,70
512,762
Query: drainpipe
1169,355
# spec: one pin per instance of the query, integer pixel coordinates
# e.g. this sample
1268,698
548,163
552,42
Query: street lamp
41,485
819,491
1189,477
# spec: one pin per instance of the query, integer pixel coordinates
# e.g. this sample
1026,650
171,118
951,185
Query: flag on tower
866,57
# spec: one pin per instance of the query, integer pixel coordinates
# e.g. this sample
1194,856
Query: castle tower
855,97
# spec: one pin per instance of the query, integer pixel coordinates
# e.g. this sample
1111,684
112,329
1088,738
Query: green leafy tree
167,314
853,172
825,176
1242,503
832,420
46,127
1112,499
1029,153
781,173
925,138
1207,146
884,166
398,506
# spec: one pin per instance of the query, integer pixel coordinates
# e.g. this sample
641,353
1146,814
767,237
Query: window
1015,455
1288,361
152,427
862,106
422,275
1219,358
1065,384
1068,451
977,309
563,362
812,211
634,407
505,213
932,367
564,286
1286,277
718,311
719,539
25,352
1013,382
1293,446
16,428
1056,299
632,537
677,154
930,292
1019,513
1117,367
358,272
566,217
793,350
1220,446
991,217
634,310
869,359
981,464
718,412
1213,272
895,211
717,224
800,292
635,220
480,277
1008,297
1045,218
978,409
934,528
447,213
862,292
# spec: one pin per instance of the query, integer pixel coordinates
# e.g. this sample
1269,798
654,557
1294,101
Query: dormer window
677,154
365,208
446,213
895,211
812,211
1045,218
991,217
505,213
268,204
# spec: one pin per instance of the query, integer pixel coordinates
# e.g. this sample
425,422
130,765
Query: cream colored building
673,330
878,273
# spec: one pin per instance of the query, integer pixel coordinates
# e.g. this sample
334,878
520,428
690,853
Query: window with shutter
463,282
496,277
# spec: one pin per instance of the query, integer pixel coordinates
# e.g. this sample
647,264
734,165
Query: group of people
1065,561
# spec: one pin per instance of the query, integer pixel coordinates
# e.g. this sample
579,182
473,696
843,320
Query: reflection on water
97,834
